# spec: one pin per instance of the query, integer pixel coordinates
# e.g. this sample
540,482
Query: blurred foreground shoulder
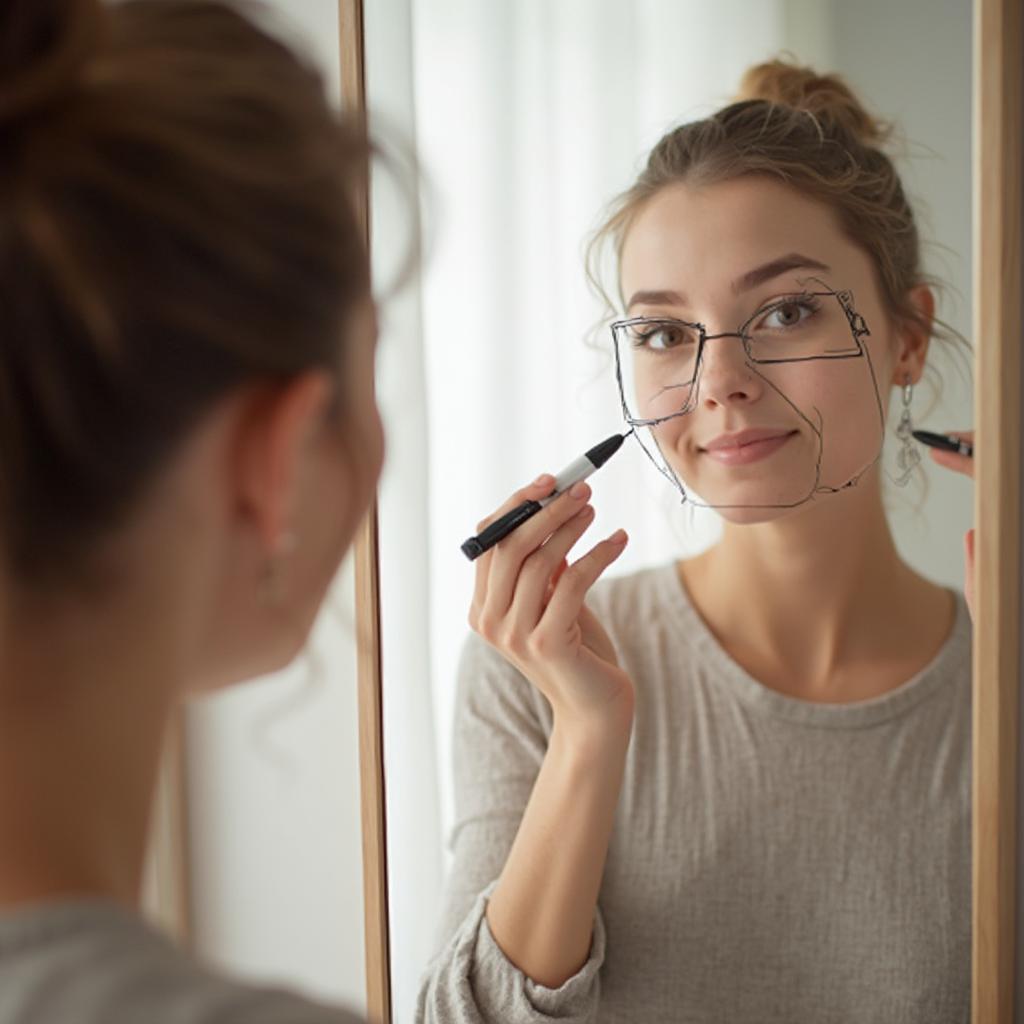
95,962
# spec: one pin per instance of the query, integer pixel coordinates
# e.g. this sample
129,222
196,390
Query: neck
85,698
815,591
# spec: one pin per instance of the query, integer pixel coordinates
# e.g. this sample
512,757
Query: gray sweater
92,961
772,859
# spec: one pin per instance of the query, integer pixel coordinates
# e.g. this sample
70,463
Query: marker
944,443
576,471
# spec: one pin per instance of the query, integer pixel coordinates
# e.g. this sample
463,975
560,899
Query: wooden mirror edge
996,666
367,596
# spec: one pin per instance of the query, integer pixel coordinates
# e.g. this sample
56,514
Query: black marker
944,443
572,474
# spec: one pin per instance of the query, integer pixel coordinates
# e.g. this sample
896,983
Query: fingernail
544,478
580,490
618,537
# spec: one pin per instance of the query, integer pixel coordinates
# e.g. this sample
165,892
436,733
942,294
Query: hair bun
825,96
44,45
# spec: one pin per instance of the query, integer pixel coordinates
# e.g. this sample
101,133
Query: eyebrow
751,279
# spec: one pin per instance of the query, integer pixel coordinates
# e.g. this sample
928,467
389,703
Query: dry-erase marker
944,443
572,474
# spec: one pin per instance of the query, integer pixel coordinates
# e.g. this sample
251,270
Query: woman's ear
275,429
914,337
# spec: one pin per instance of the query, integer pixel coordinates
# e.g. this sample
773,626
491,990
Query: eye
790,313
660,336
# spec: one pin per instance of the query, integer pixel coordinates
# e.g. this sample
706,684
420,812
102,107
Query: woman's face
695,254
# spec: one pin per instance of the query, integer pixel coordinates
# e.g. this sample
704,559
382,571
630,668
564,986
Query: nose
726,375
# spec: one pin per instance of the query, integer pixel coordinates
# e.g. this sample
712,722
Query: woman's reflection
736,787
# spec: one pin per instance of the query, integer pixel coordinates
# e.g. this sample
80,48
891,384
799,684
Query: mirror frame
368,643
996,901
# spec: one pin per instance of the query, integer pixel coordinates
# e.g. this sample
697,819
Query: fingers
962,435
564,607
497,570
509,554
951,460
541,571
540,488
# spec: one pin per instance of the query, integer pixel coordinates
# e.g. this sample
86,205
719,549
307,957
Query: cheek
839,402
842,391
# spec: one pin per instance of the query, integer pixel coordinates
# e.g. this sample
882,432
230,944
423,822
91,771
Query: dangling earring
271,586
908,456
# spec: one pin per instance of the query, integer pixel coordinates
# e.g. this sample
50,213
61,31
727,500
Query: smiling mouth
751,451
727,447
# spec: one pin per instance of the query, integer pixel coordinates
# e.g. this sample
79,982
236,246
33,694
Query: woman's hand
962,464
529,604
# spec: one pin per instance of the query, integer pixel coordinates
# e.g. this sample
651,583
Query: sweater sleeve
501,730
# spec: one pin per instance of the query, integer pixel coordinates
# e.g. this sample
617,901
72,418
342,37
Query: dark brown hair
176,219
811,132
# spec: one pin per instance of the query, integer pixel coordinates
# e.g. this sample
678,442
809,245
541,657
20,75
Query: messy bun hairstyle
811,132
826,97
176,219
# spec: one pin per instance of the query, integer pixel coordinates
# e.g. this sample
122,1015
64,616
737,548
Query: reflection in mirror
734,785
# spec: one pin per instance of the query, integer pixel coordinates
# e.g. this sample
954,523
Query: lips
743,438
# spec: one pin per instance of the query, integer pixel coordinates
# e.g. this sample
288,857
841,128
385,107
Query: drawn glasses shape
658,359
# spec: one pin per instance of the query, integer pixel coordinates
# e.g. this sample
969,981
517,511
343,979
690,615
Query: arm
541,912
500,742
540,918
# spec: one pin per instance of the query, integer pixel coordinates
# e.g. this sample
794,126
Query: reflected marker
580,469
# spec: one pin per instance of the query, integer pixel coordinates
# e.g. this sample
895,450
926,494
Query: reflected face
814,375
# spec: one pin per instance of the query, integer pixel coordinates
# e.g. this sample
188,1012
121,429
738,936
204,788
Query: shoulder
954,660
93,961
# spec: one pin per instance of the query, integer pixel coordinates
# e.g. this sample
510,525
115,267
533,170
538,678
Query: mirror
528,119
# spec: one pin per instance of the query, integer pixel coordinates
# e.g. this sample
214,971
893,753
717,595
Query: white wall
911,61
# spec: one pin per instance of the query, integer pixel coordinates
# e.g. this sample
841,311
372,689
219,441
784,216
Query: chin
750,501
750,515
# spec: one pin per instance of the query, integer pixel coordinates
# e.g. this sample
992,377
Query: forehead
698,240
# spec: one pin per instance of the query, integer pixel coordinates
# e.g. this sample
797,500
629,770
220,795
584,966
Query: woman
734,787
189,440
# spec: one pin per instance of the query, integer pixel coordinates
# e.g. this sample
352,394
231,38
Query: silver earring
908,456
271,585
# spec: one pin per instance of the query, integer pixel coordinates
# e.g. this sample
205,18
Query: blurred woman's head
186,352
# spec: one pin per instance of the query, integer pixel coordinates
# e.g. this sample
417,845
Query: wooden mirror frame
998,50
997,912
